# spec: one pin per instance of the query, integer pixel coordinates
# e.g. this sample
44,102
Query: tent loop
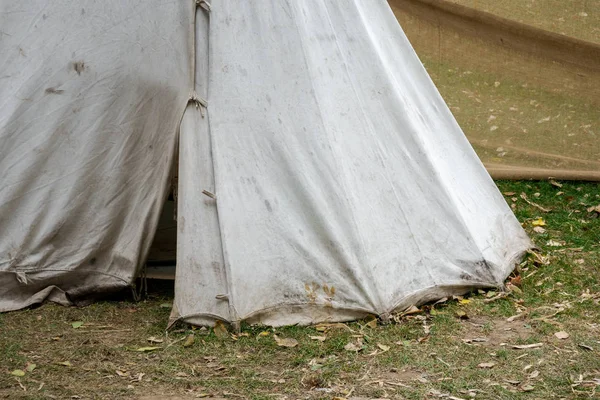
204,4
199,102
21,277
143,289
209,194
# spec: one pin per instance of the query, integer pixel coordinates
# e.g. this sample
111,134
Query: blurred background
522,77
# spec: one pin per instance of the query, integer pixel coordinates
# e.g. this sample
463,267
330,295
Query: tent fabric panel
359,189
201,279
91,95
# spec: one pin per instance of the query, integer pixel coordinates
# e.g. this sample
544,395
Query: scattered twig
176,341
531,203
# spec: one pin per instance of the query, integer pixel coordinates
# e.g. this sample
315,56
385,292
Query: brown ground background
526,97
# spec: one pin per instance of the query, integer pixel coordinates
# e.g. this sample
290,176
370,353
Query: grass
426,355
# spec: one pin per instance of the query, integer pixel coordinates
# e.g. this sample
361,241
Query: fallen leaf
554,183
555,243
516,280
411,310
319,338
372,323
264,333
464,301
165,305
539,229
585,347
594,209
152,339
383,347
352,347
534,374
64,363
189,340
146,349
220,330
460,314
122,374
285,342
562,335
513,288
486,365
30,367
527,346
77,324
538,222
527,388
509,193
18,372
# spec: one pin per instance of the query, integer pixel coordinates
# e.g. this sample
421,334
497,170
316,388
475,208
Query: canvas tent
321,176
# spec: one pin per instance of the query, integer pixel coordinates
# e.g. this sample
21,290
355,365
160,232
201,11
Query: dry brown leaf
383,347
411,310
220,330
527,388
336,325
554,183
534,374
64,363
562,335
146,349
486,365
152,339
352,347
372,323
539,229
285,342
442,300
319,338
594,209
189,340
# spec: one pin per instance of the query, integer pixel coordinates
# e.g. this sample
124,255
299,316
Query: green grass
552,297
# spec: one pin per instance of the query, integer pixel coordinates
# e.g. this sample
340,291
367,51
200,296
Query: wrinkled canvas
321,175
